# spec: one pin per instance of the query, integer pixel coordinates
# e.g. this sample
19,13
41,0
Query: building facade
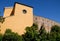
17,18
20,16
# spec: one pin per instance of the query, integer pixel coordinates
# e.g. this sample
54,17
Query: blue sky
45,8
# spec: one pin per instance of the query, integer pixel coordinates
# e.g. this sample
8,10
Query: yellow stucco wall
7,11
19,21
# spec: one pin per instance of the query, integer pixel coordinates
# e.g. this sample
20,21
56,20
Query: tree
55,29
43,34
1,37
11,36
31,33
2,19
55,33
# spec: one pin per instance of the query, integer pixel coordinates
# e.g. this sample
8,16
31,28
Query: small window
24,11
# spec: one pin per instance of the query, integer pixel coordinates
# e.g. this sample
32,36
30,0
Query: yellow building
20,16
17,18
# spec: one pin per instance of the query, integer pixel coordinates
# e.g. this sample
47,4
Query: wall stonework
44,21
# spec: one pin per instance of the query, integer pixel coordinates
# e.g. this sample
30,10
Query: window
24,11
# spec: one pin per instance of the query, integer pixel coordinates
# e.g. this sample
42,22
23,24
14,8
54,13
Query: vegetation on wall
2,19
32,34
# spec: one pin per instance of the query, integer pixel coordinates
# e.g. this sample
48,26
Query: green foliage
1,37
32,34
55,33
8,31
55,29
11,36
42,34
2,19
